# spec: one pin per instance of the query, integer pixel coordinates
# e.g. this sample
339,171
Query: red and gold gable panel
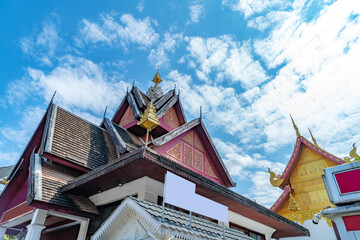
191,153
171,119
126,118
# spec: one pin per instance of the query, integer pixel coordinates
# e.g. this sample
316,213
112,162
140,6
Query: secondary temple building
77,180
304,193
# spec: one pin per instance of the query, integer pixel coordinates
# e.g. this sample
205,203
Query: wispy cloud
43,44
80,84
111,32
250,7
141,5
159,56
196,11
227,60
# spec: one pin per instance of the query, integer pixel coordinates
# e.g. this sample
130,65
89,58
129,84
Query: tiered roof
79,159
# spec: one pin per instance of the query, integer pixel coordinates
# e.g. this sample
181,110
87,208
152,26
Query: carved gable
126,118
190,152
171,118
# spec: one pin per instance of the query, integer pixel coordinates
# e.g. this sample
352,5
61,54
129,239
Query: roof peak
155,92
295,127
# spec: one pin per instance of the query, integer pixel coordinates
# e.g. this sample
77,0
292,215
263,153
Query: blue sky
247,63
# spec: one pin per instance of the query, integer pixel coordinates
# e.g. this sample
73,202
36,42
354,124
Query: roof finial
52,98
295,127
105,111
200,112
313,139
133,84
157,68
157,79
175,87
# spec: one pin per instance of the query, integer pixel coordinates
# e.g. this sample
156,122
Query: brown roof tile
79,141
55,176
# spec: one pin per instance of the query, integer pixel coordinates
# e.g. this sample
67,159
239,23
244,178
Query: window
252,234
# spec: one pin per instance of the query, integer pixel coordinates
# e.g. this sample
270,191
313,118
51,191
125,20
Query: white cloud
141,5
227,59
250,7
196,10
111,32
80,84
42,45
21,134
272,18
262,191
159,56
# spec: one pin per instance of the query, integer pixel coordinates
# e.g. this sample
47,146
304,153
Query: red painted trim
348,181
19,210
282,199
65,163
352,223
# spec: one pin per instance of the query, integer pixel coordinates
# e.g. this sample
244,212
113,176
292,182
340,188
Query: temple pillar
2,232
37,225
83,230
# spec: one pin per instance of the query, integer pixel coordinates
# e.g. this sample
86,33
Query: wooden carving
198,144
188,155
171,119
175,151
208,169
189,139
198,161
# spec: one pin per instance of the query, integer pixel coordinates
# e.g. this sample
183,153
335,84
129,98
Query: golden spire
295,127
157,79
313,139
149,120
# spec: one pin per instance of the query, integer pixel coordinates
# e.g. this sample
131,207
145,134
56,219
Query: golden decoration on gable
295,127
292,203
313,139
275,180
353,155
303,215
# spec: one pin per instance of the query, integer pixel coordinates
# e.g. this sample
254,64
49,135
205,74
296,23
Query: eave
147,162
282,199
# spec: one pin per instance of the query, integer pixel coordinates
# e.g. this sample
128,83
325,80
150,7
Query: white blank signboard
181,193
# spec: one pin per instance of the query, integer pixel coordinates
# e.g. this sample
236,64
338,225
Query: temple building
304,193
77,180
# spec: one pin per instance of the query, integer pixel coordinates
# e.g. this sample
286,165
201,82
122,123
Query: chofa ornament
275,179
353,155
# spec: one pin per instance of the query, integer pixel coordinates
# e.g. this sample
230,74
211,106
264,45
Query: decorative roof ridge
176,132
121,104
302,140
136,91
119,143
169,104
283,197
128,132
158,103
